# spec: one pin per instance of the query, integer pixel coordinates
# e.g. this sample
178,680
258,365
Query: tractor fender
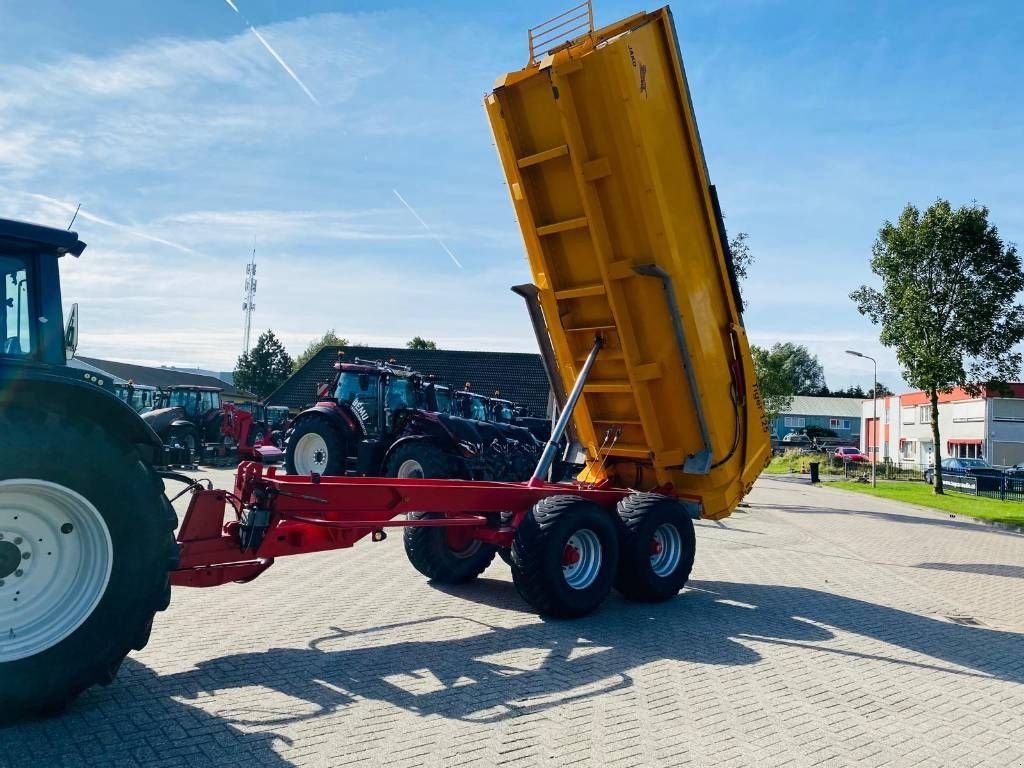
48,388
334,415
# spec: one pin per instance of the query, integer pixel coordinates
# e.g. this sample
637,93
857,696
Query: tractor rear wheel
85,553
658,547
446,555
564,556
417,458
315,446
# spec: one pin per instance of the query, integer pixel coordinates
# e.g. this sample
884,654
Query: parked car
847,453
952,466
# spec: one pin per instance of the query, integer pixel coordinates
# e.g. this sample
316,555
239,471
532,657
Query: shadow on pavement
892,517
459,668
988,569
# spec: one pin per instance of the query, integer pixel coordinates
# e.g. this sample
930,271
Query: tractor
141,397
195,419
386,420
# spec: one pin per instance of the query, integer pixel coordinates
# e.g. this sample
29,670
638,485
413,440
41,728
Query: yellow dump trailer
626,244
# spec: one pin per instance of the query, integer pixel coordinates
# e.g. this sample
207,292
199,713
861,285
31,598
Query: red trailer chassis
236,536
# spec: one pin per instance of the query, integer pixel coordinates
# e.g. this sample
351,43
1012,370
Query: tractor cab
376,392
141,397
470,405
277,417
30,310
197,401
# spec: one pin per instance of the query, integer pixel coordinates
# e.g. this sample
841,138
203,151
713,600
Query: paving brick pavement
815,632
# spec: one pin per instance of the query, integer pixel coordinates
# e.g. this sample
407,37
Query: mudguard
67,389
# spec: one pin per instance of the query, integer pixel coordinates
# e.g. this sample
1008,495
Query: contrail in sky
275,54
82,214
427,227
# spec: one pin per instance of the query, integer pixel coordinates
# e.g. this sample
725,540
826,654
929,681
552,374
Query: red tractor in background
194,419
386,420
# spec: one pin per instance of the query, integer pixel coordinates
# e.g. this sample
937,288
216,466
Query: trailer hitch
253,527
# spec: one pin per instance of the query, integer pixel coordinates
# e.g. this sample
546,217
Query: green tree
329,339
801,366
948,302
742,258
416,342
263,368
774,382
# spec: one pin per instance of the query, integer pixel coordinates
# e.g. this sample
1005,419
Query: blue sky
184,139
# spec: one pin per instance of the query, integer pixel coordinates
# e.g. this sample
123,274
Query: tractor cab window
16,317
503,412
443,399
402,393
182,398
209,401
477,408
359,392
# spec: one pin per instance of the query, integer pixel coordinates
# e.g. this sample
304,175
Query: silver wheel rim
666,550
410,468
311,454
55,561
581,559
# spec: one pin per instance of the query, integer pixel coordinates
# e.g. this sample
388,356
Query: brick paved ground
815,632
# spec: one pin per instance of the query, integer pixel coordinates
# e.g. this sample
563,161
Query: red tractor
195,419
385,420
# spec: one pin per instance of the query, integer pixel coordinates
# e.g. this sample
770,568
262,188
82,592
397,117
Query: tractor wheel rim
62,555
666,550
581,559
410,468
311,454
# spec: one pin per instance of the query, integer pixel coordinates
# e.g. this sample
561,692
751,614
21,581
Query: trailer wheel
658,547
315,446
446,555
84,558
564,556
417,458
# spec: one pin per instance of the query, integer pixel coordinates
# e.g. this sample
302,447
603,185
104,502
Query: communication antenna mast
249,297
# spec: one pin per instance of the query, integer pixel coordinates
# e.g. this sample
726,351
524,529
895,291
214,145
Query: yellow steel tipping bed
605,168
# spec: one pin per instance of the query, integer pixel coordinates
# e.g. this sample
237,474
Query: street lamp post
874,410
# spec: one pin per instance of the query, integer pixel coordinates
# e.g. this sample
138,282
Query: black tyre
84,561
564,556
658,547
446,555
316,446
417,458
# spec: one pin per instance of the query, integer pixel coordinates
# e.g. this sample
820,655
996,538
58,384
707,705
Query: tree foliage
265,367
417,342
796,363
742,258
329,339
774,382
948,301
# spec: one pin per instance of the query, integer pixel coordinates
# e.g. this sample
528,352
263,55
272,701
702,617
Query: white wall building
988,426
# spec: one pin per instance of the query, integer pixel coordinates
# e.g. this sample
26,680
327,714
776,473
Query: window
839,423
908,415
926,414
908,449
965,450
795,421
15,319
973,410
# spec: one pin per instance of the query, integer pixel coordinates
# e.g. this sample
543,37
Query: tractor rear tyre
417,458
315,446
657,549
446,555
564,556
85,555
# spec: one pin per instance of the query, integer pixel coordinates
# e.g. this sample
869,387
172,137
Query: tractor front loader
638,318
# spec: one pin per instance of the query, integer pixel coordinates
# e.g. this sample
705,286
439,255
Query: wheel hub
10,559
581,559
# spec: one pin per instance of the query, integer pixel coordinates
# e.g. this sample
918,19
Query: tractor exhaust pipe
548,456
